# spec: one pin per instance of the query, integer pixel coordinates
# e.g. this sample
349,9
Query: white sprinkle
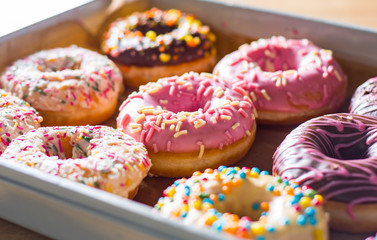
153,89
219,92
317,61
157,112
185,76
284,81
225,117
255,113
171,121
234,103
265,94
236,125
158,120
201,152
199,123
337,75
253,96
140,118
270,54
205,74
180,81
213,120
248,133
244,66
172,127
178,127
277,79
148,111
177,134
135,125
136,130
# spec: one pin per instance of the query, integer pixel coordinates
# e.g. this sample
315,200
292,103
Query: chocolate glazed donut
364,100
155,43
336,155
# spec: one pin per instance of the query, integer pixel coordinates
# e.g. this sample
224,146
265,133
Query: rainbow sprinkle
207,199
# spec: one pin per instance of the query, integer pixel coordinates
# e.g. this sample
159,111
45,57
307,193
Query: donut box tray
61,209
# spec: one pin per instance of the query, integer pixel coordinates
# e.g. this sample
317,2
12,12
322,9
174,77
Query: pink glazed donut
289,81
189,123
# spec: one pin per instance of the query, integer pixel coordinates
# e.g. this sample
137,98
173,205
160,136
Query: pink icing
339,162
186,113
285,75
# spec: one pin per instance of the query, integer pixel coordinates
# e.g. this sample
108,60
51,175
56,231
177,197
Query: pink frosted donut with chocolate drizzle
98,156
67,86
189,123
289,80
336,155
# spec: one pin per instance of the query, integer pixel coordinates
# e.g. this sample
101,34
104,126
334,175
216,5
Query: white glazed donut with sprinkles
98,156
271,208
189,123
16,118
67,86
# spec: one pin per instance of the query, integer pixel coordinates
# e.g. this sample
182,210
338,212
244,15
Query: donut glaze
190,113
336,155
16,118
246,203
157,37
66,84
98,156
288,76
372,237
364,100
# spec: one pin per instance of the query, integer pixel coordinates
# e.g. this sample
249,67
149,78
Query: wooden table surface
361,12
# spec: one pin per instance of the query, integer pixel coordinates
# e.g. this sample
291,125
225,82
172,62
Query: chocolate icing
180,37
334,154
364,100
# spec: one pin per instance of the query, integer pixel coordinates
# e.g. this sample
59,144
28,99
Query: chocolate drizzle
334,154
364,100
158,37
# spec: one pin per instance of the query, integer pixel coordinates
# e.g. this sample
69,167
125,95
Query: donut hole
186,102
274,59
56,64
252,206
350,144
157,27
65,148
